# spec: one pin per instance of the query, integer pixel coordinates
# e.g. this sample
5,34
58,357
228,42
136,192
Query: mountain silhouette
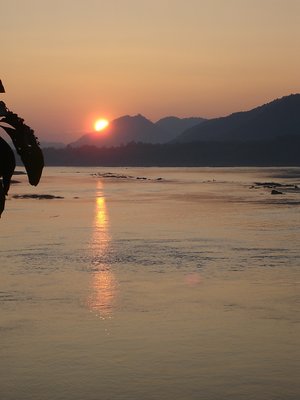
137,129
174,126
279,118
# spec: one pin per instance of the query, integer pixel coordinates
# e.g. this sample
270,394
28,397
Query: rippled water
151,283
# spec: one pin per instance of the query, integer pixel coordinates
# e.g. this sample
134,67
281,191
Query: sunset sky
66,62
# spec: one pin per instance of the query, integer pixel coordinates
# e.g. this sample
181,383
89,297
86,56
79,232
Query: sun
101,124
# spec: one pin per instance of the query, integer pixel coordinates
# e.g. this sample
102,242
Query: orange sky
66,62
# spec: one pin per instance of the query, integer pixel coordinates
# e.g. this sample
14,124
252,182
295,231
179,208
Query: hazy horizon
107,131
66,63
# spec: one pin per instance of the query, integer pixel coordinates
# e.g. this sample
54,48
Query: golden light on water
103,287
101,213
103,294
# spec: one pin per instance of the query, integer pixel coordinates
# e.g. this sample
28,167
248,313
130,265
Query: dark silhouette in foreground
26,145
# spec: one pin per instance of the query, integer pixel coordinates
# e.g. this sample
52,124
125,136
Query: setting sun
101,124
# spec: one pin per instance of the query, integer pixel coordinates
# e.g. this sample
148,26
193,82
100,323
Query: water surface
180,285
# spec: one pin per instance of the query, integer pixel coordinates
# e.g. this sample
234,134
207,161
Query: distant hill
137,129
55,145
174,126
278,152
279,118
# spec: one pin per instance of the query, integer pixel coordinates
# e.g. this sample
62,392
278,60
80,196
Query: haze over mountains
279,118
268,135
138,129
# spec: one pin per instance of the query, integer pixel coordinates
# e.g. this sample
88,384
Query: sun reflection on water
103,284
101,214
